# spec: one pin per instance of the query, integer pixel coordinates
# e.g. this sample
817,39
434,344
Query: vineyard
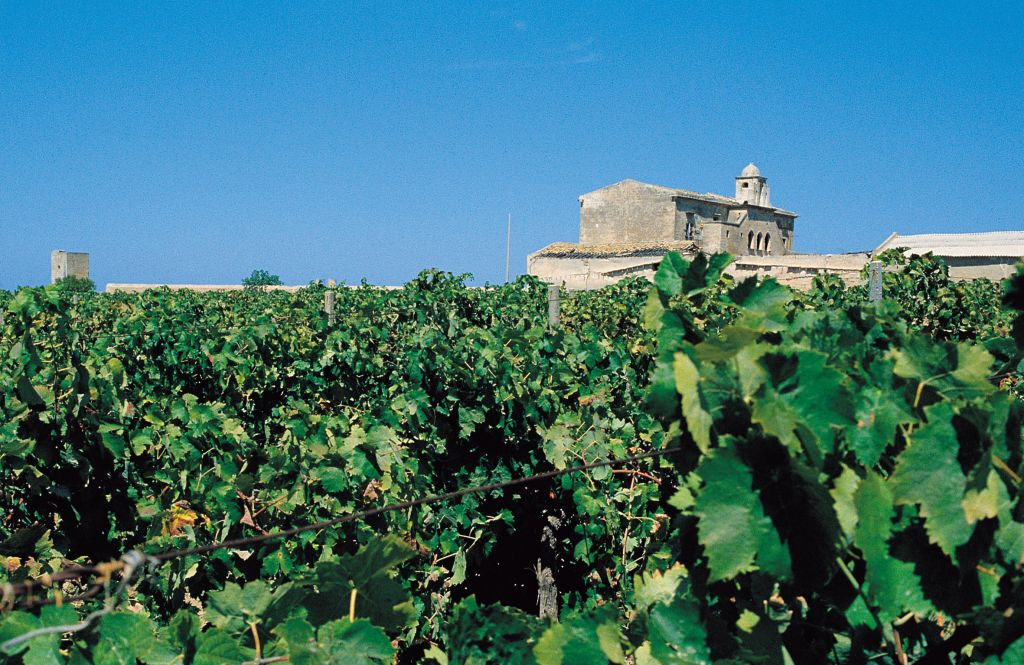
730,472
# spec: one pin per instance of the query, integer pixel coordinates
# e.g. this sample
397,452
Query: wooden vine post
329,302
875,281
553,306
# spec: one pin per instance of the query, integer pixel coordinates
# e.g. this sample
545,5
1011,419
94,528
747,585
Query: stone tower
752,188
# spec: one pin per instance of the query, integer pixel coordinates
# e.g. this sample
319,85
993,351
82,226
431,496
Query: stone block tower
68,264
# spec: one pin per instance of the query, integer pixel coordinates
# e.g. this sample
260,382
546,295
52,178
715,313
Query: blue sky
195,142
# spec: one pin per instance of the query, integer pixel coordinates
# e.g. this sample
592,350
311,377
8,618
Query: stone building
68,264
626,229
637,212
993,255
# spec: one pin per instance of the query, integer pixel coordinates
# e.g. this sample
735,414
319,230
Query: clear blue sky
195,142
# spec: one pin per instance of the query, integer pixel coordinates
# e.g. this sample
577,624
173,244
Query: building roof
615,249
697,196
750,171
994,243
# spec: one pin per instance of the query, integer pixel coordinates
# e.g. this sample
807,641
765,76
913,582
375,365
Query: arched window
767,243
759,239
750,242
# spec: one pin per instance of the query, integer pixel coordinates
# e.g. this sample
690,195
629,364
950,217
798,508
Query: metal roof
994,243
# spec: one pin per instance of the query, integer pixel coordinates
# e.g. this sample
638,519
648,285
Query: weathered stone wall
798,270
68,264
707,219
629,211
578,273
795,270
977,267
777,228
199,288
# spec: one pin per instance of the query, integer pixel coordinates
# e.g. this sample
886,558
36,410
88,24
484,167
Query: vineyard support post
329,302
875,281
553,305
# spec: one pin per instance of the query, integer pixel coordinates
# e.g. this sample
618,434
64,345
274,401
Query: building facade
68,264
631,212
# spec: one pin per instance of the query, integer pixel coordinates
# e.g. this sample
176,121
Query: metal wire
131,562
76,572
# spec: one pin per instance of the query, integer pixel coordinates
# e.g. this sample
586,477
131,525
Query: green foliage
849,486
261,278
73,284
808,493
166,419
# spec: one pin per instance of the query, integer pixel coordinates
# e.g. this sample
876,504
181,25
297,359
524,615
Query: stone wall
200,288
589,272
799,270
977,267
629,211
68,264
795,270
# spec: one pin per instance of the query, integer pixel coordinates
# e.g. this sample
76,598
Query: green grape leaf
731,524
892,585
234,607
676,635
657,586
340,641
669,276
124,638
843,500
698,421
43,649
927,473
878,414
379,597
805,396
585,640
215,647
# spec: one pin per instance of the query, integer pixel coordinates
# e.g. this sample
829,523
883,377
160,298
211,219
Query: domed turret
751,187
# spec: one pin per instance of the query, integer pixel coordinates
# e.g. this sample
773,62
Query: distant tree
260,278
72,284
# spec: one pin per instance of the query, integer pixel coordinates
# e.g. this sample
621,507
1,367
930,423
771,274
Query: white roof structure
992,244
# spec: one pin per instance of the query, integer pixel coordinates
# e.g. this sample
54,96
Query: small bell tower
752,188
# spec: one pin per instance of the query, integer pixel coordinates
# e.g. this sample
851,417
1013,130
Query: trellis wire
77,572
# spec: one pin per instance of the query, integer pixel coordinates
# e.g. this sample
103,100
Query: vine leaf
892,585
731,523
676,634
379,596
340,641
44,649
217,648
928,474
124,638
657,586
698,421
843,500
802,395
878,413
585,640
234,606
